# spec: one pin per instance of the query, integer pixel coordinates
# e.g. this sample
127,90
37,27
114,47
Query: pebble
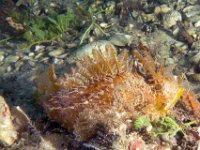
87,49
63,55
38,55
39,47
56,53
31,54
1,58
162,9
197,24
11,59
44,59
71,45
168,139
149,17
170,18
18,65
9,68
103,25
26,58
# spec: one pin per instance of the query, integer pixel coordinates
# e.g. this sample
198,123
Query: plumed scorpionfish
108,88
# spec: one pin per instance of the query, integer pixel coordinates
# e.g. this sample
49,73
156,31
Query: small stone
39,47
11,59
162,9
31,63
9,69
18,65
103,25
149,17
71,45
45,59
91,39
63,56
197,24
149,128
56,53
26,58
31,54
170,19
131,25
1,58
38,55
134,13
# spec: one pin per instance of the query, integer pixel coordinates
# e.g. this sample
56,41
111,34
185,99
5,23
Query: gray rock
11,59
171,18
38,55
87,49
56,53
121,39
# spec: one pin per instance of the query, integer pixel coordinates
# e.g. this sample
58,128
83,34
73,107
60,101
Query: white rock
87,49
197,24
39,47
171,18
162,9
8,133
103,25
1,58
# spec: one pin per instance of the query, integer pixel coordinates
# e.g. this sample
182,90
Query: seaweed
166,125
92,26
48,28
41,27
142,122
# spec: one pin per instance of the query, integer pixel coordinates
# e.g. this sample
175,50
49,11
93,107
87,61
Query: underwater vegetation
43,28
40,22
36,22
108,88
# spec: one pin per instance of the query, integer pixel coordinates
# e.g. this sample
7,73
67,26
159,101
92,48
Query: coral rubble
107,89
